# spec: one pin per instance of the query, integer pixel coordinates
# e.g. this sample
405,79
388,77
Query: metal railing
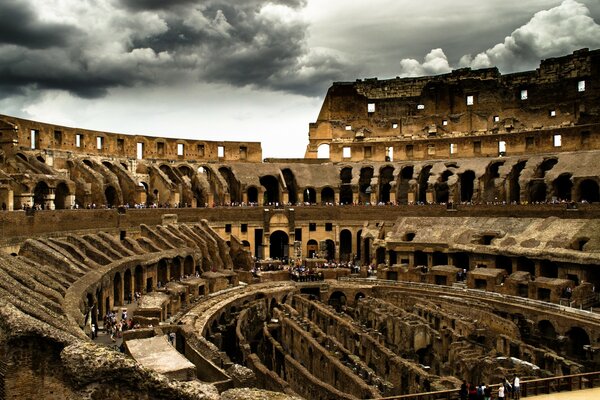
529,388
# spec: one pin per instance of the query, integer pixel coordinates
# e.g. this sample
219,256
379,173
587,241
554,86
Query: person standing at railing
516,388
501,392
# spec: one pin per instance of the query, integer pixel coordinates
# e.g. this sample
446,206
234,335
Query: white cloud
435,63
549,33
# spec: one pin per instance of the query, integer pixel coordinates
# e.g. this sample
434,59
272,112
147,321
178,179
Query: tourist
516,386
472,392
487,393
463,392
501,392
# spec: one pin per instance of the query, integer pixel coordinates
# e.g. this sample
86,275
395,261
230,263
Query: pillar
411,198
285,197
266,247
392,197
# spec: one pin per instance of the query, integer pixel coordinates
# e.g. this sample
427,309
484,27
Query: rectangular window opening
389,154
35,135
581,86
298,234
227,228
140,150
221,151
243,152
328,226
557,140
160,148
529,142
524,94
501,147
371,107
99,142
394,126
58,137
420,106
348,127
78,140
120,145
453,148
552,113
244,228
431,149
445,122
496,118
409,150
180,149
346,152
312,226
368,152
470,100
201,150
477,147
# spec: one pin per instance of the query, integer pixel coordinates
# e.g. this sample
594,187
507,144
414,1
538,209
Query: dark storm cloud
19,25
127,42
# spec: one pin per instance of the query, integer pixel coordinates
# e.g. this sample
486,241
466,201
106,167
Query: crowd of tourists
506,390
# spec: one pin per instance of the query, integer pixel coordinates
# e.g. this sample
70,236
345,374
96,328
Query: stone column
266,247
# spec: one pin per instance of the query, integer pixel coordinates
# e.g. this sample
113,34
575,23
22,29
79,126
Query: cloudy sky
254,70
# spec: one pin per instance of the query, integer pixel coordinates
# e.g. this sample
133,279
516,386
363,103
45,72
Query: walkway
587,394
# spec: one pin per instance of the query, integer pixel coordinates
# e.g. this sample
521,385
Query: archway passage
346,186
327,195
312,248
537,191
111,196
404,184
117,290
329,249
40,193
513,181
62,191
279,245
139,279
467,183
386,176
252,194
292,187
364,184
161,272
423,183
271,185
578,338
345,245
588,191
309,196
337,300
127,285
563,187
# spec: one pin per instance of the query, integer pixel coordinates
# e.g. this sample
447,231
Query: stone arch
327,195
329,249
386,177
309,195
514,192
588,191
346,195
345,245
578,338
279,245
162,270
312,248
490,190
364,184
337,300
186,170
563,187
233,185
40,194
60,196
188,265
423,183
546,330
252,193
271,185
176,268
323,150
403,187
111,196
441,189
537,190
291,184
467,186
139,279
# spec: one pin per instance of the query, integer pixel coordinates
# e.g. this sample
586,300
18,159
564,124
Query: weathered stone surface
246,393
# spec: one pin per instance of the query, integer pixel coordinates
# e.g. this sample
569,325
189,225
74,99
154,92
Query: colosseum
438,229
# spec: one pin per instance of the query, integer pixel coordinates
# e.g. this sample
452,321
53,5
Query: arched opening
513,181
490,190
544,167
139,279
323,151
364,184
380,255
127,285
117,290
588,191
467,182
337,300
271,185
185,170
406,175
329,249
367,249
176,271
548,269
386,176
40,193
292,186
111,196
233,185
563,187
547,331
345,245
161,272
346,186
578,338
441,189
423,183
327,196
279,245
60,196
188,265
309,196
312,248
537,191
252,195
